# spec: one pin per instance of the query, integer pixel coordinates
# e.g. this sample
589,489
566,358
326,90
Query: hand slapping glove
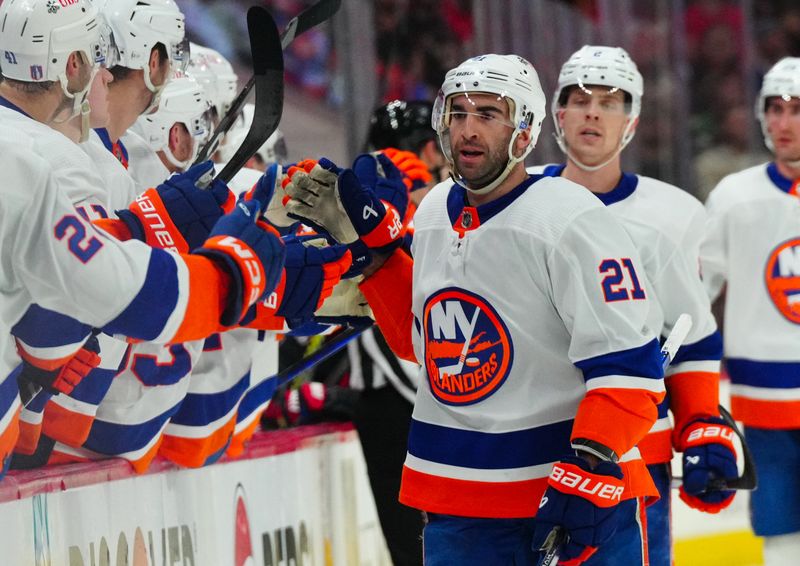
338,202
178,214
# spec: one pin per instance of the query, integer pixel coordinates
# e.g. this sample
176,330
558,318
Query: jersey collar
788,186
5,103
465,218
117,148
625,188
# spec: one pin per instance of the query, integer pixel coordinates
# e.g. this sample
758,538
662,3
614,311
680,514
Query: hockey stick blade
265,46
310,17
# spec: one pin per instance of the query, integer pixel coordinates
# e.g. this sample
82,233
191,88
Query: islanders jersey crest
782,277
468,349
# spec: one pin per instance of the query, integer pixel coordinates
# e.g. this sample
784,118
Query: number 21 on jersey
620,282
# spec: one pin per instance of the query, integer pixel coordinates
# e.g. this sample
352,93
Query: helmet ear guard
508,76
599,65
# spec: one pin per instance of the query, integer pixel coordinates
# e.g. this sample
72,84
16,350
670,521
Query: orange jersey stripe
656,447
775,415
193,452
692,395
8,438
28,440
47,365
388,292
617,418
208,291
236,447
468,498
115,227
66,426
140,465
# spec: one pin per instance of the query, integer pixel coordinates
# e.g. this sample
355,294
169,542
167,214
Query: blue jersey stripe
93,388
773,375
709,348
200,409
115,438
489,451
644,361
141,319
256,397
9,391
43,328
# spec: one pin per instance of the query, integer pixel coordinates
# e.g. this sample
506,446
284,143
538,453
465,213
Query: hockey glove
709,459
584,502
312,270
415,172
346,305
251,252
177,215
276,211
309,403
64,378
333,200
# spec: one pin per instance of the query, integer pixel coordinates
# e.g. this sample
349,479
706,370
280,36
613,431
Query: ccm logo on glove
250,262
568,478
711,431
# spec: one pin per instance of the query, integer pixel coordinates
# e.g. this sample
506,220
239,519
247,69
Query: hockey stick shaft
558,536
300,24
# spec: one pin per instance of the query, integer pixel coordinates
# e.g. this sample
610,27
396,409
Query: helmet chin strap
510,164
625,139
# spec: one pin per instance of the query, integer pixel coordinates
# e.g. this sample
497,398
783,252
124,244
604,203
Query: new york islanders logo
468,349
782,277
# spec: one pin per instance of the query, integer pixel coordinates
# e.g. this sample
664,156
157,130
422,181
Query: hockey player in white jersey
174,132
51,55
752,250
550,385
595,109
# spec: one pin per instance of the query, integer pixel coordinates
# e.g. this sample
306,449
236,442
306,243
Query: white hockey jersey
753,246
667,226
52,256
144,165
522,343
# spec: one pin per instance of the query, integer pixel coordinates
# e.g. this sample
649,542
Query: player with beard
532,381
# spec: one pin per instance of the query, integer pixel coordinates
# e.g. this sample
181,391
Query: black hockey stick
310,17
336,343
265,47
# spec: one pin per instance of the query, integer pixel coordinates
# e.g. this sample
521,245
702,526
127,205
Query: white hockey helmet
600,65
182,102
272,151
508,76
783,80
37,37
216,75
140,25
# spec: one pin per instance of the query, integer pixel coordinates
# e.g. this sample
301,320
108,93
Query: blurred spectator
730,152
702,15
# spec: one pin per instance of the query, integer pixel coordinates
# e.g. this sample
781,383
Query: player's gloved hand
177,214
272,182
312,269
415,172
590,515
709,459
346,305
251,251
333,200
64,378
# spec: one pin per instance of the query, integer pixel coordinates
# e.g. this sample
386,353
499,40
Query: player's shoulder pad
742,187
